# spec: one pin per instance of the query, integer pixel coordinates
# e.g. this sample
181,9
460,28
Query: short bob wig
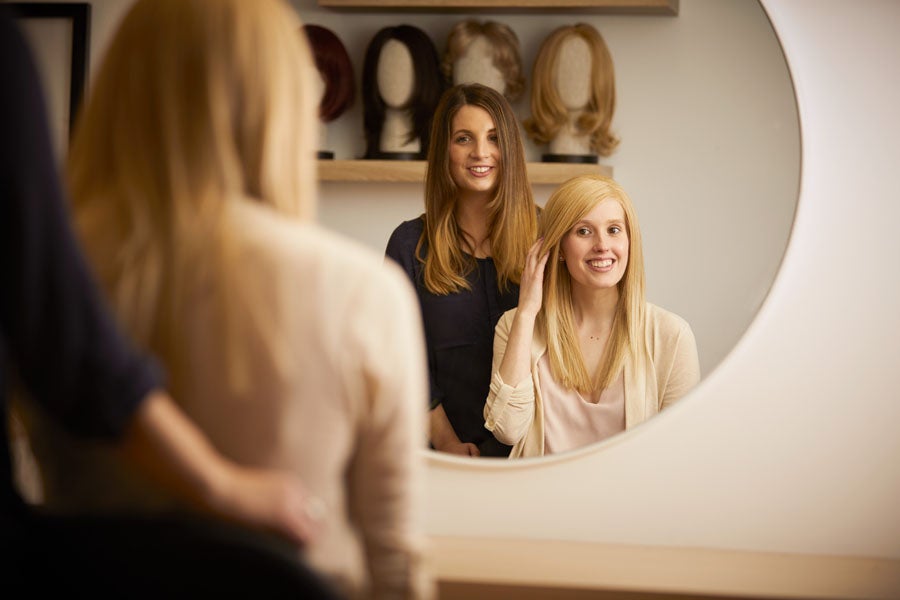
504,44
427,87
333,64
549,115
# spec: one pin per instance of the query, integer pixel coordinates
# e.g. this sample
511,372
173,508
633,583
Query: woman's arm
401,249
385,476
443,437
684,372
165,444
509,409
516,363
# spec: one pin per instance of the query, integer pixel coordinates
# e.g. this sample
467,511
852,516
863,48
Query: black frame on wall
80,15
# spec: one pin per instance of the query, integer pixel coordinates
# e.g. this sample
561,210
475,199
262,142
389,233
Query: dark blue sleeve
401,248
54,328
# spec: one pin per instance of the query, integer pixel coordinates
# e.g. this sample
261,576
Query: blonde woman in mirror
573,96
584,356
487,53
193,190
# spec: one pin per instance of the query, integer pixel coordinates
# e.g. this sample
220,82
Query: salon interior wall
791,443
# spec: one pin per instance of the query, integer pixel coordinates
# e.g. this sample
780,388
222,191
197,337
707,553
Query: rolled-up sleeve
509,409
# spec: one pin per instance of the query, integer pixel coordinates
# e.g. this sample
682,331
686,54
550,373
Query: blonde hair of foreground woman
192,173
232,116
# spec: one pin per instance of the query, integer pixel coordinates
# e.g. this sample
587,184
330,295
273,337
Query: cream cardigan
515,414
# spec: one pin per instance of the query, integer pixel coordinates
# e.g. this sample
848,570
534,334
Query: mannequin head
485,53
554,75
335,69
385,82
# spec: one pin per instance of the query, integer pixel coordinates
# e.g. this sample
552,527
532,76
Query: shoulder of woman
660,318
406,235
263,234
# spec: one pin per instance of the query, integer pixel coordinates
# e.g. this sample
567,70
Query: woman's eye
494,139
583,231
462,139
615,229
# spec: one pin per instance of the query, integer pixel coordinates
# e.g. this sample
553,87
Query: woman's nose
480,149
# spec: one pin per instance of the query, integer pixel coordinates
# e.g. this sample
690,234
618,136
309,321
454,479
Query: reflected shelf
638,7
373,171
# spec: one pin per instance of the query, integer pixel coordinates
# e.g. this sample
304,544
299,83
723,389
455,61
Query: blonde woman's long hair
549,114
556,321
513,217
198,104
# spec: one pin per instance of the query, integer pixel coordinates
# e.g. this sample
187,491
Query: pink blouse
571,421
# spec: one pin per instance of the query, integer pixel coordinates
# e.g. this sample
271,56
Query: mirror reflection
709,156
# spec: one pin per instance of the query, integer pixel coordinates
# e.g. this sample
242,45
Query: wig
222,112
513,221
427,86
336,70
503,42
556,322
548,113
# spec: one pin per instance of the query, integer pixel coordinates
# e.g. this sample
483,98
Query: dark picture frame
79,13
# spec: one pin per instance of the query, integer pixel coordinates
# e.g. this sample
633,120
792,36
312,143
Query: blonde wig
505,47
556,322
198,104
513,221
548,113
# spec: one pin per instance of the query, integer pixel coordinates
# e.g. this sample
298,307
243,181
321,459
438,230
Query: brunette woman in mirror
584,356
401,86
486,53
573,96
193,191
337,79
465,256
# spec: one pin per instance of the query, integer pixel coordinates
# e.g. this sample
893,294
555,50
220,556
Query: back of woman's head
198,104
198,101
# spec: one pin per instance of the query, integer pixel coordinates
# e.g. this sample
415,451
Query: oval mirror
710,152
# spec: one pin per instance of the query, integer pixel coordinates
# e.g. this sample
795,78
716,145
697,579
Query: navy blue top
459,337
56,337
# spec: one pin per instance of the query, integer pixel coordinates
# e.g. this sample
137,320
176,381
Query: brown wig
333,64
427,87
504,43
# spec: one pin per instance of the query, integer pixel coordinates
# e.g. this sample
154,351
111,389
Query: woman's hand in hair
531,288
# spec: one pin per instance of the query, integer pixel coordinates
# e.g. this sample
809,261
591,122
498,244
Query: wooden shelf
371,171
653,7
